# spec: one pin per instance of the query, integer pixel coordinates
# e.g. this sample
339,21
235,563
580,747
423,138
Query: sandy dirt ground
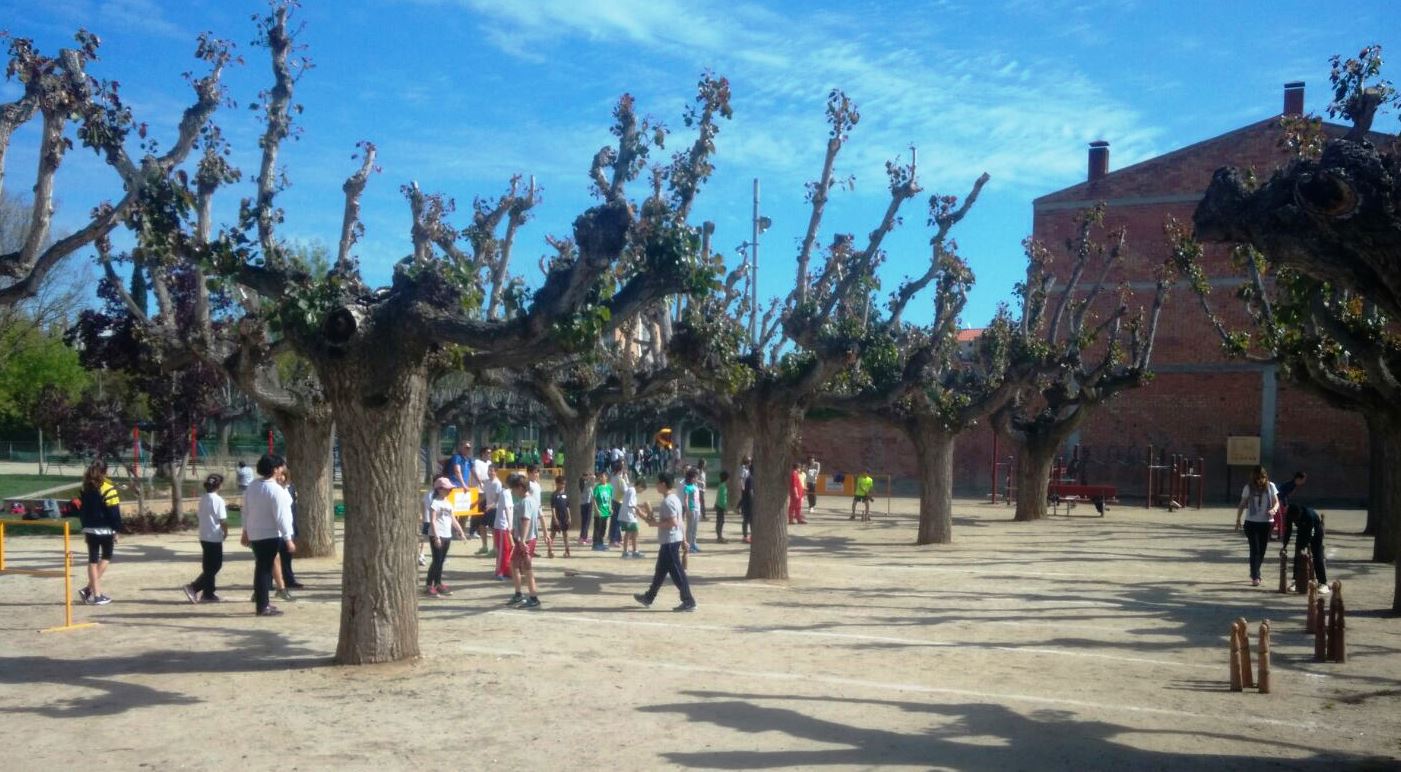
1066,644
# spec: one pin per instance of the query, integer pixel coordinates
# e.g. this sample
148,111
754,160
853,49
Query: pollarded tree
1327,341
825,328
1333,218
372,348
60,93
1068,354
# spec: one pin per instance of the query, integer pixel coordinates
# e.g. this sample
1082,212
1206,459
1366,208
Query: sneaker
491,553
211,599
721,540
643,599
802,521
422,561
636,554
695,548
515,599
685,607
431,592
443,590
287,596
101,600
270,611
531,603
600,548
626,555
85,595
295,586
1323,589
190,593
747,540
481,551
1255,582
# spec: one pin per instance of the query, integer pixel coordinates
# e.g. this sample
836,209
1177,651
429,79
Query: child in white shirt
213,529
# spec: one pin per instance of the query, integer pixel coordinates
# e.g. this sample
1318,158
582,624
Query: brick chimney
1099,159
1294,98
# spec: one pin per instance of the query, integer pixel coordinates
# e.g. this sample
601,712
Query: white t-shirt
504,507
212,513
534,486
628,514
479,471
491,492
267,511
438,513
528,517
671,508
1259,507
244,475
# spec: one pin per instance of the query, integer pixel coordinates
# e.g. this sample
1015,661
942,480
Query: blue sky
461,94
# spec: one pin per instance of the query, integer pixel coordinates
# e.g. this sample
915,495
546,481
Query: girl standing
1258,500
213,529
437,515
101,516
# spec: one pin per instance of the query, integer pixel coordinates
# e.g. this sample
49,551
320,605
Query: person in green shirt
864,484
602,510
722,503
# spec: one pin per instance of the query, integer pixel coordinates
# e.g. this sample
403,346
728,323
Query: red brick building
1198,397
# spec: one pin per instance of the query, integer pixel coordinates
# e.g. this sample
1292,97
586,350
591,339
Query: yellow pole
68,578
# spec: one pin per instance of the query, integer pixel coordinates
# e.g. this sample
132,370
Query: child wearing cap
437,516
213,529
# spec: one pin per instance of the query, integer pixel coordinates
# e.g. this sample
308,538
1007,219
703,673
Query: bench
1071,494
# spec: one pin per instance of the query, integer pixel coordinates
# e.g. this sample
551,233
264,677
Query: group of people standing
1266,509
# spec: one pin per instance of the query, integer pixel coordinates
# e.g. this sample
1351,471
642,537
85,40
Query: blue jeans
669,563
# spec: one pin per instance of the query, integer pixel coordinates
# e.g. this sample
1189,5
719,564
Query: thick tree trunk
736,442
775,427
1385,487
379,395
1033,476
176,472
580,439
308,442
934,456
225,430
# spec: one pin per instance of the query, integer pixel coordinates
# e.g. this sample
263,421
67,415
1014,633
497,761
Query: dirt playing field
1065,644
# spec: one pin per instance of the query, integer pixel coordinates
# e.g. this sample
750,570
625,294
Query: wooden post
1265,657
1311,623
1320,632
1247,671
1235,658
1283,571
1337,646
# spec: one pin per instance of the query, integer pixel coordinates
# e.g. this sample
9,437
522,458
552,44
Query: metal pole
754,270
67,579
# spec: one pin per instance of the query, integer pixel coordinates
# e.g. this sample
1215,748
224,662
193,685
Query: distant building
1198,397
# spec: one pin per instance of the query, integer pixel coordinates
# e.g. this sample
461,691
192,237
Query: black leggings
1314,544
99,544
209,568
585,517
600,529
264,550
719,522
812,495
440,555
746,511
1258,534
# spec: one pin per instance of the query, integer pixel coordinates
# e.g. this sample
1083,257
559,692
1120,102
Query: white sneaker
422,561
1323,589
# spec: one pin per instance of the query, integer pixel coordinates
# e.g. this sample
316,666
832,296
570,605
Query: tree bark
934,457
775,427
225,429
736,442
308,442
380,399
580,440
1384,485
1037,457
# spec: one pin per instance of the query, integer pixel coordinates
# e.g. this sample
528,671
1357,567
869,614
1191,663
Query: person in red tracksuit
796,491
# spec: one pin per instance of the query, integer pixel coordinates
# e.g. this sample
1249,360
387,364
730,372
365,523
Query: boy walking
671,535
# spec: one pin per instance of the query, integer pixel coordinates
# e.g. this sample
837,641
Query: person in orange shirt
796,491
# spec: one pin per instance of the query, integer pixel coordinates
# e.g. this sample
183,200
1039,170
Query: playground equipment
1173,478
1068,487
67,570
